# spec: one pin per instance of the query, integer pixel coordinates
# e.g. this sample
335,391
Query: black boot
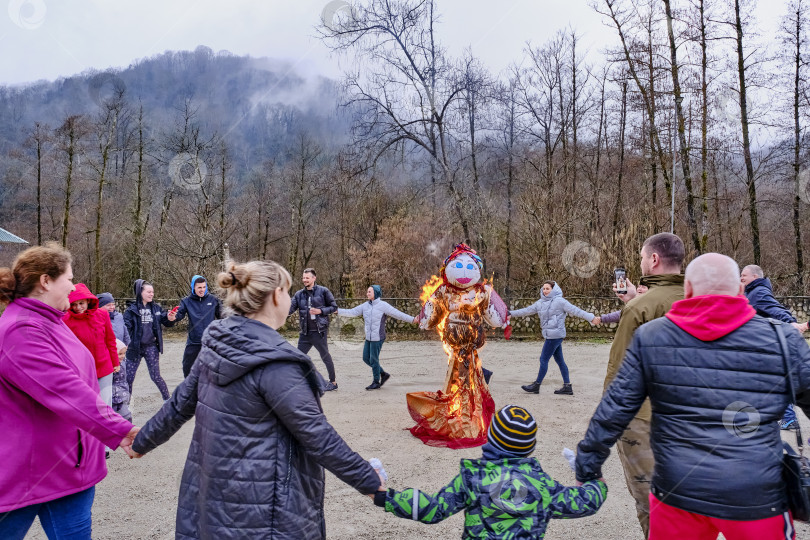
533,388
566,390
384,377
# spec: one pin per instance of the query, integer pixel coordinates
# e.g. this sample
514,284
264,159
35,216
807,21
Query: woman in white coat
375,312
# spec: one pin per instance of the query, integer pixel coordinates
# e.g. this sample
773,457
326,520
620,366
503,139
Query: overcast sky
46,39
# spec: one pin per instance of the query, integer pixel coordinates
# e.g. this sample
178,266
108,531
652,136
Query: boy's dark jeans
318,340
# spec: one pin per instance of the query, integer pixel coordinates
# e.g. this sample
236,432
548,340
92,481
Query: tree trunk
619,195
39,191
749,164
138,229
797,230
684,146
704,131
71,151
105,155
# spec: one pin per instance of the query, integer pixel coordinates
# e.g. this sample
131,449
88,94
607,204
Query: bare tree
794,39
622,18
140,216
750,180
40,135
106,128
70,136
409,85
303,200
681,123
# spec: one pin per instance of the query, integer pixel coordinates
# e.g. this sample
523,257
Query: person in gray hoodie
552,309
374,313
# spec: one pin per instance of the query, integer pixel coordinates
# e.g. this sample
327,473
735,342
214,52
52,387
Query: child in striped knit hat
505,493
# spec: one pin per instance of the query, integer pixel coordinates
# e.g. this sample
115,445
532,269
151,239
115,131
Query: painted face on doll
463,272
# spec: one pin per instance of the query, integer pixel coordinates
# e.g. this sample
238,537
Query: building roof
8,238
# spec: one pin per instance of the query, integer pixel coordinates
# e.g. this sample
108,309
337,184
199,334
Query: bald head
712,273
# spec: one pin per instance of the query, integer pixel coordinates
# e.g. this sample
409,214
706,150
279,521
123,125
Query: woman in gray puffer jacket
255,467
552,309
374,313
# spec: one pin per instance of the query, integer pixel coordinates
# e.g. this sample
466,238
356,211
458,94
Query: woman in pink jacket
54,425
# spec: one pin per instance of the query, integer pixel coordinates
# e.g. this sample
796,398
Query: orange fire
430,286
455,403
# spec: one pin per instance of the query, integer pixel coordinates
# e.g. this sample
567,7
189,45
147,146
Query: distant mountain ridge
253,103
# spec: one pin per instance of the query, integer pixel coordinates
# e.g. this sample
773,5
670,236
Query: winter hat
377,291
513,430
104,299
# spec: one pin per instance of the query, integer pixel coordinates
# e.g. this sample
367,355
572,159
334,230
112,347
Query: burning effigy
458,303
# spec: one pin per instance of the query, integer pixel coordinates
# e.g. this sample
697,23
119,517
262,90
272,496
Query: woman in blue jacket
552,309
374,313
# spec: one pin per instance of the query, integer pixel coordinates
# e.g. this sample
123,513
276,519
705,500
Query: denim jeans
66,518
790,414
371,356
552,347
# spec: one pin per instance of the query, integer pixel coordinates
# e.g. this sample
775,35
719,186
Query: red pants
670,523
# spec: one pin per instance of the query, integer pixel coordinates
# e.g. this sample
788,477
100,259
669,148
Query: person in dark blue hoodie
143,319
202,308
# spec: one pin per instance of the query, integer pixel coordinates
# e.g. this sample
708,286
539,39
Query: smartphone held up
620,280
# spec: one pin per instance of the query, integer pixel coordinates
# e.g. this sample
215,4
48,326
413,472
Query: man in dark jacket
661,262
314,304
714,372
759,292
202,308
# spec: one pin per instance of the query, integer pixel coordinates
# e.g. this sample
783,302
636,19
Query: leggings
152,356
552,347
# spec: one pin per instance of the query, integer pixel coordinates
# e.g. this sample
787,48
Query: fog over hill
252,103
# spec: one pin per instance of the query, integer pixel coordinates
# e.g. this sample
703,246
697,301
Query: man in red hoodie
715,374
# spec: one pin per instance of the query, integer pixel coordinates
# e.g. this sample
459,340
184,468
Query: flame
430,286
455,402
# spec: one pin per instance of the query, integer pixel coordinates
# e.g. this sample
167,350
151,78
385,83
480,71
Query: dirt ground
138,499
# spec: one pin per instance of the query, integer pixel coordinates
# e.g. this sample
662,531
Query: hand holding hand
117,368
596,321
126,443
801,327
629,295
